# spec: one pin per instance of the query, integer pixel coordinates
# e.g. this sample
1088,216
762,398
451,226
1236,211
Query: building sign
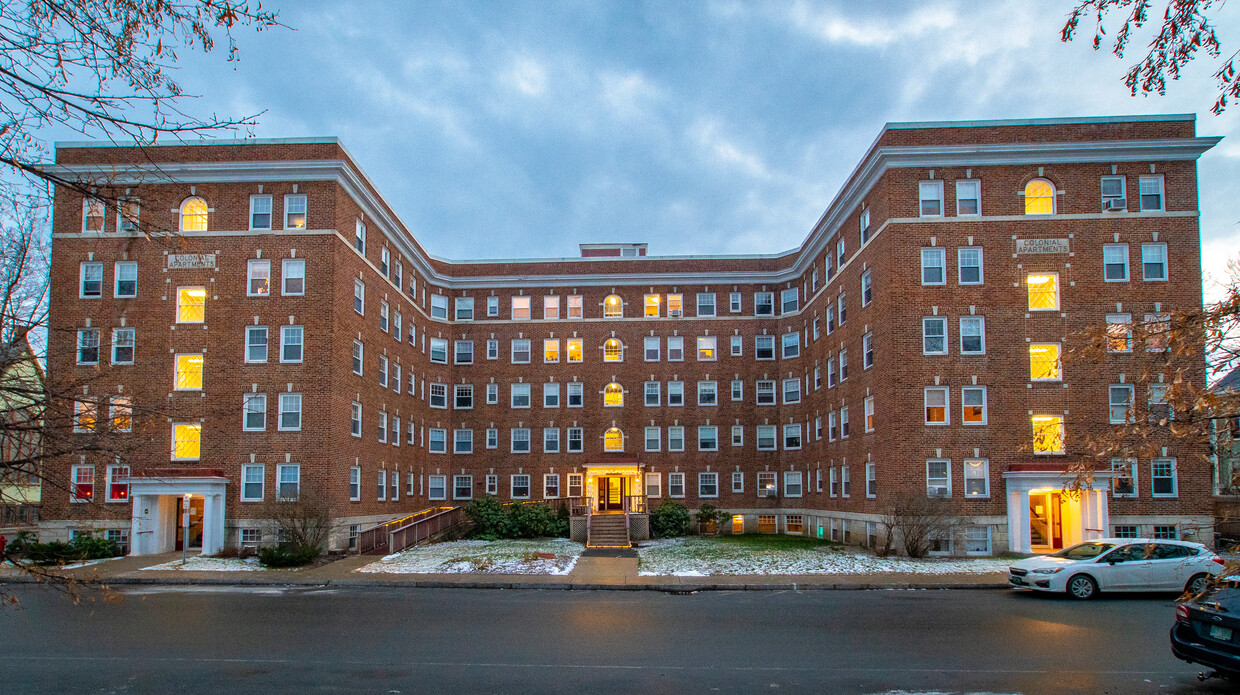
180,261
1027,246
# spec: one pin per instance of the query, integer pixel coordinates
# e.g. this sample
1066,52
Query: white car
1119,564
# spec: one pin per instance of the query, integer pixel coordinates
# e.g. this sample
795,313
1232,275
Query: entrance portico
611,486
157,496
1045,514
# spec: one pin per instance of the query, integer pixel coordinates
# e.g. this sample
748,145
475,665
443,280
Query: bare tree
1186,30
918,521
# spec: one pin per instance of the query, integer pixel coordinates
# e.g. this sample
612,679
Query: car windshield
1084,551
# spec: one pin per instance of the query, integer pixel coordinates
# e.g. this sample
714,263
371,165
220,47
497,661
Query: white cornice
867,173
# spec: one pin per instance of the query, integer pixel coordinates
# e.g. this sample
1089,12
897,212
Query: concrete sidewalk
590,573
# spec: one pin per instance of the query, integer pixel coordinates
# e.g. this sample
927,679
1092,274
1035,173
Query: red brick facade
1073,155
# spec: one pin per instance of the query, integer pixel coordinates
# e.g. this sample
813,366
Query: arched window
1039,197
194,215
613,351
613,307
613,395
613,440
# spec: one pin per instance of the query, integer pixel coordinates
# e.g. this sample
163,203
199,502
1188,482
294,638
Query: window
1125,531
1119,332
839,253
930,196
792,391
1162,477
93,213
359,237
1048,434
792,436
359,297
613,307
576,484
462,396
1153,262
652,305
1044,362
551,485
462,487
972,335
463,352
1167,533
357,355
1156,328
121,414
613,439
653,394
976,478
867,284
463,441
1043,291
439,351
291,343
186,441
83,484
520,440
864,224
252,482
464,308
969,265
938,478
383,424
295,211
194,213
122,346
675,484
439,307
738,481
936,405
1113,194
973,404
968,197
492,306
260,212
766,438
85,416
492,441
520,396
734,302
521,308
128,213
576,395
934,266
613,395
676,438
254,412
1115,262
437,487
764,304
791,345
767,484
650,346
1039,197
188,372
551,307
437,440
355,420
191,304
832,431
551,395
653,485
708,438
738,435
706,348
654,438
126,279
869,413
789,301
977,540
385,260
792,484
576,440
1151,191
765,390
575,351
293,275
492,349
1124,482
1160,410
934,335
706,304
840,308
676,393
738,390
764,347
871,480
613,351
708,484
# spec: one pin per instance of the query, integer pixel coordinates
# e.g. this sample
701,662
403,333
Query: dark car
1207,629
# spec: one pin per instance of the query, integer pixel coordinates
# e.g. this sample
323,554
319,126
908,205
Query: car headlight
1047,570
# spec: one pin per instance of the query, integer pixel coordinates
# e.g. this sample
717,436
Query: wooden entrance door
611,493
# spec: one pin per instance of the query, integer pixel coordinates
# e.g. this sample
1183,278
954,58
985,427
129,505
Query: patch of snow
700,557
211,564
483,557
87,563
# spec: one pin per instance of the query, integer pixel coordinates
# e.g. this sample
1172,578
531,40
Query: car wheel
1082,587
1197,584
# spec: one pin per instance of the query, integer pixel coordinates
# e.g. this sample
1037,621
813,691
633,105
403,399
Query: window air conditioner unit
674,313
936,492
766,492
1117,204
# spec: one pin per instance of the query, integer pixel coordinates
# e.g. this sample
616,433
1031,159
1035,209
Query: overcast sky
512,130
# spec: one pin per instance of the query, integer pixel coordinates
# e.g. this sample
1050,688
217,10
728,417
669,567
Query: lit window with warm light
574,349
613,351
613,440
613,395
1043,291
652,306
189,372
186,441
191,304
194,215
551,350
1044,362
613,307
1047,434
1039,197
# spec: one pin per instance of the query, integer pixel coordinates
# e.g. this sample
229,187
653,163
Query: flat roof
1078,120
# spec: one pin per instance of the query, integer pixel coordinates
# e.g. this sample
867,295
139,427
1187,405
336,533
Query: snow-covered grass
700,557
483,557
88,563
198,563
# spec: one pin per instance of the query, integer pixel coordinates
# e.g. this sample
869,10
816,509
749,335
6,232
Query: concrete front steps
608,531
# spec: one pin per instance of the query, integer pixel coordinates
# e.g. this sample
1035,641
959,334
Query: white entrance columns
1093,520
155,514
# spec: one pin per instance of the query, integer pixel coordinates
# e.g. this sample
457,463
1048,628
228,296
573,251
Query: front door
1045,520
611,492
195,521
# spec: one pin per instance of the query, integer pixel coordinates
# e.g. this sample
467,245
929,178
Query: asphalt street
164,639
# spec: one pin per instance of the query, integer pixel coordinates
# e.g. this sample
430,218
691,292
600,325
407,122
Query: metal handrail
422,529
373,538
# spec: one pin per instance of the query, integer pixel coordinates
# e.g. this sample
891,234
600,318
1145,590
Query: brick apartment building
261,324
